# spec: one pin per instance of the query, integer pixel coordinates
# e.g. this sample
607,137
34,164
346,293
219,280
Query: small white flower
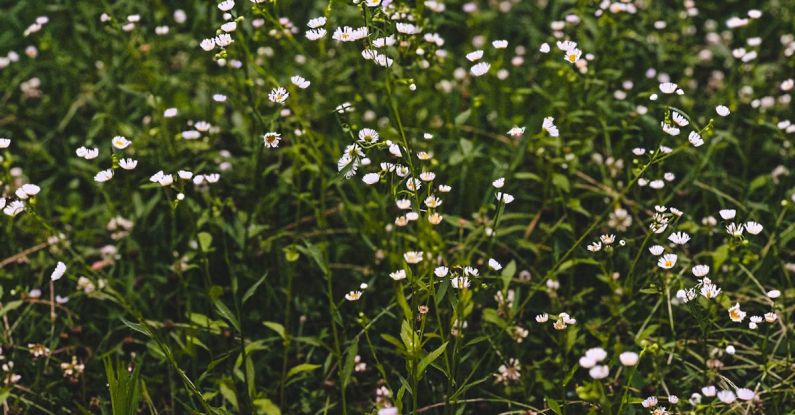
316,22
667,261
371,178
128,163
480,69
316,34
58,272
722,110
226,5
669,129
300,82
736,314
594,246
727,397
413,257
504,197
566,45
753,227
120,142
398,275
542,318
774,294
499,183
746,394
207,44
599,372
668,87
441,271
679,119
727,214
695,139
474,56
500,44
271,139
278,95
5,142
735,230
700,270
516,131
649,402
460,282
572,55
709,391
679,238
493,264
656,250
353,295
544,48
103,176
628,358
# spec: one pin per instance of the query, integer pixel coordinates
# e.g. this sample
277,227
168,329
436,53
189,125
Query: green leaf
303,367
350,360
401,299
554,406
205,241
227,315
561,182
266,407
409,336
11,305
253,289
278,328
137,327
429,358
462,117
507,274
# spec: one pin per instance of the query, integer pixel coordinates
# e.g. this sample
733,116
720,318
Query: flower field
397,207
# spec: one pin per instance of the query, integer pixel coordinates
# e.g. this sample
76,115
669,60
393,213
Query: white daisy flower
667,261
278,95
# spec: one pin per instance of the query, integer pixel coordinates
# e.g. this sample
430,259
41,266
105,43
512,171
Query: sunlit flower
727,214
722,110
736,314
441,271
